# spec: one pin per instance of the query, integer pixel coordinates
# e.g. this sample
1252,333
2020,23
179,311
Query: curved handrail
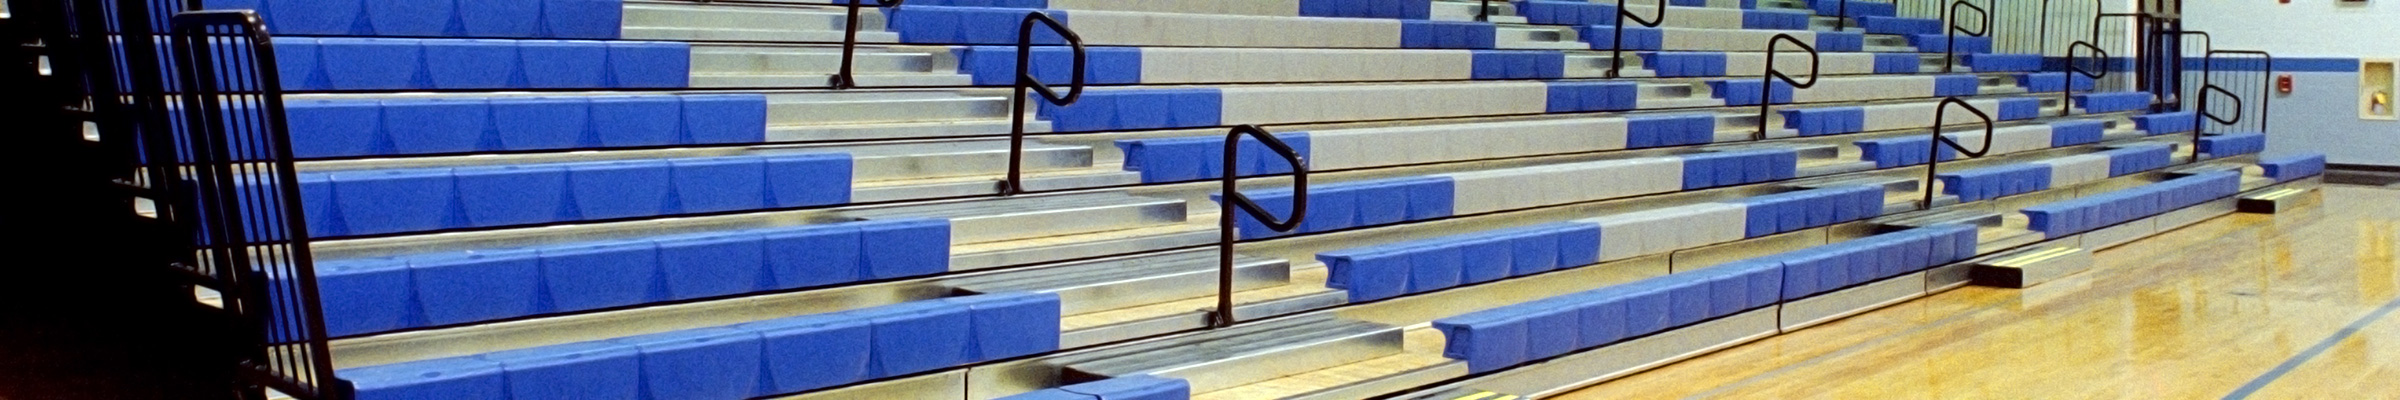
2066,90
1950,48
1616,50
1933,148
1766,83
2265,94
2204,112
1015,183
844,79
1231,197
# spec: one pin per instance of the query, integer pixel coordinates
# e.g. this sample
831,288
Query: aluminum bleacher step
727,16
733,59
753,35
1032,217
1127,282
1213,362
997,125
2031,266
830,108
816,80
1538,37
1452,10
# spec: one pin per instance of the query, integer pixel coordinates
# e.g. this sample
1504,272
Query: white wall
2304,28
2321,115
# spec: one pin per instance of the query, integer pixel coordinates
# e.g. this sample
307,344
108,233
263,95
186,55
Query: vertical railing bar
1933,147
1950,48
1616,49
846,76
1766,81
1014,183
1230,198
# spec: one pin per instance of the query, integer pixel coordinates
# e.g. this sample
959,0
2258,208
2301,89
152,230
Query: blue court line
2255,384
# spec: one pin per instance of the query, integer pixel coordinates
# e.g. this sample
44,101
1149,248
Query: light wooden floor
2298,305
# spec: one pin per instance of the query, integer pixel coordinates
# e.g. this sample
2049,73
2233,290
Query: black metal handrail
1933,147
1231,197
846,78
1484,13
2173,69
242,199
1616,50
1841,16
2201,109
1015,183
1766,84
2066,89
1950,48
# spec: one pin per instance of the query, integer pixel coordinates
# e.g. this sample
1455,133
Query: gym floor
2296,305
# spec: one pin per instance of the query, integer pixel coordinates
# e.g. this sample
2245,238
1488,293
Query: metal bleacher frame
225,187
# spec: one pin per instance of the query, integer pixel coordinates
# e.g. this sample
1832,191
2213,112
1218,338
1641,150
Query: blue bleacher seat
706,363
1726,168
707,265
450,378
814,352
1901,26
2019,108
2296,166
814,255
1427,34
468,64
1603,37
1956,85
1519,64
997,65
1939,43
1134,387
1394,9
904,248
361,296
1897,63
968,25
2231,144
599,275
1841,41
2165,123
1587,96
1676,64
586,370
1745,92
1008,325
1548,12
918,336
2054,81
720,184
2113,102
2065,218
1775,20
477,286
1137,109
510,195
1995,62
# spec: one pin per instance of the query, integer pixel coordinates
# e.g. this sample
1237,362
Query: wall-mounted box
2375,90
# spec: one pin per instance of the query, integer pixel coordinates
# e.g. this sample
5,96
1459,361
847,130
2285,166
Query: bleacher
521,199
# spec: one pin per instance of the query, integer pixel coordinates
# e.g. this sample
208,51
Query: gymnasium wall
2319,42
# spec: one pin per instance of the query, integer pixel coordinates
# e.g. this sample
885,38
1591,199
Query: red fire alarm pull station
2283,83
